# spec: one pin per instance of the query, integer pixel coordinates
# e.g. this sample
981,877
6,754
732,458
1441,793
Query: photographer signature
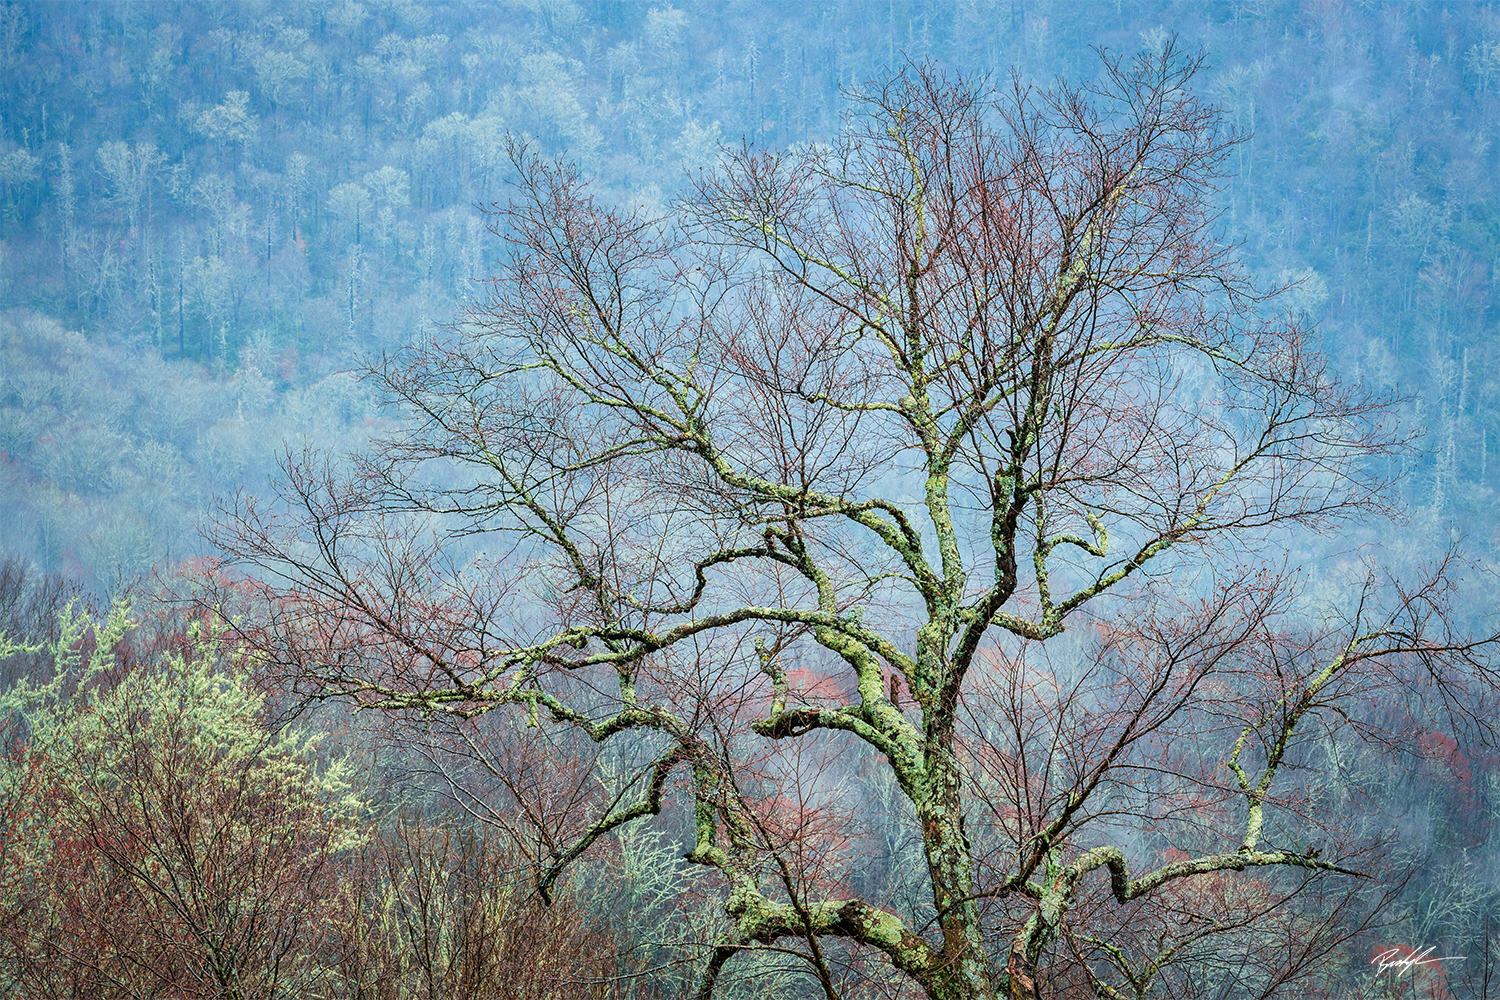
1392,958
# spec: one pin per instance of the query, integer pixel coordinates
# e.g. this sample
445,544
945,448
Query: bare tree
438,913
160,840
826,461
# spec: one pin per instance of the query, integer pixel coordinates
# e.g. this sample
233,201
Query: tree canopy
828,458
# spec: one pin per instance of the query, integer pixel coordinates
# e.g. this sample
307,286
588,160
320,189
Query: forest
744,498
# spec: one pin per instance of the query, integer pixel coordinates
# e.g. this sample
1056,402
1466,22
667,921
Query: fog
217,217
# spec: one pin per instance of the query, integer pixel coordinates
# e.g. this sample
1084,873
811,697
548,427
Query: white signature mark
1392,958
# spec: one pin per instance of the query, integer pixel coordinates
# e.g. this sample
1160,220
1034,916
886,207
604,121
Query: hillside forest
239,242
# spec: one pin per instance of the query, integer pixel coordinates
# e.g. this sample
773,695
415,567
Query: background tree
161,841
433,913
831,458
